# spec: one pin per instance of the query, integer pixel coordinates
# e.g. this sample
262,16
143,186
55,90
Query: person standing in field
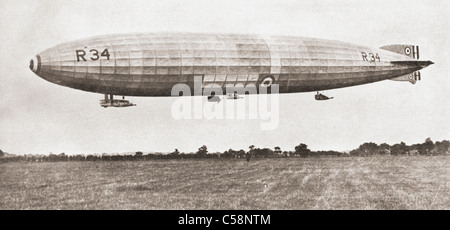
248,156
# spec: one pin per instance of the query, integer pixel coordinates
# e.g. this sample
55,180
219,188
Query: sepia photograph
224,105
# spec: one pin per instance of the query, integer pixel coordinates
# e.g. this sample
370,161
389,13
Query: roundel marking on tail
407,50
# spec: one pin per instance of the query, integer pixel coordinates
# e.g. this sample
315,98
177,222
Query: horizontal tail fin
411,51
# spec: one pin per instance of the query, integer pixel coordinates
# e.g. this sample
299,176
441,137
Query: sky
39,117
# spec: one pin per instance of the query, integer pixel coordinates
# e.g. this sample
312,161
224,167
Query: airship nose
35,64
31,64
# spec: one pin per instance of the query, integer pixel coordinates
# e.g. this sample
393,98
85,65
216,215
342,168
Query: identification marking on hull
93,53
370,57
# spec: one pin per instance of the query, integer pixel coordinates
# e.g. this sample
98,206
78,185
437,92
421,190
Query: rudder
412,77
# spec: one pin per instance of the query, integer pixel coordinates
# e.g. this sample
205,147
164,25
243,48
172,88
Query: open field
416,182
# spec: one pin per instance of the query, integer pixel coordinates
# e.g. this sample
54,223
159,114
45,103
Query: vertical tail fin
411,51
412,77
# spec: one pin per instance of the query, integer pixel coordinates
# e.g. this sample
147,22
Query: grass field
416,182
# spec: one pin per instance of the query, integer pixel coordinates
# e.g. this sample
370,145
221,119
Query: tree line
427,148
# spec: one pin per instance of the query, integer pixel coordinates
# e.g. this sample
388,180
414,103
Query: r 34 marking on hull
94,54
373,57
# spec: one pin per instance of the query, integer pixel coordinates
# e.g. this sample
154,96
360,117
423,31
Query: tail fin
412,77
411,51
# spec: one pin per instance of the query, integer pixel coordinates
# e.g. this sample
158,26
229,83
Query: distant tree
384,149
399,149
265,152
32,158
326,153
277,150
368,149
175,153
229,153
424,148
241,153
419,148
384,146
405,149
63,157
105,157
80,157
1,153
355,152
442,147
250,153
138,156
302,150
91,157
428,145
202,151
52,157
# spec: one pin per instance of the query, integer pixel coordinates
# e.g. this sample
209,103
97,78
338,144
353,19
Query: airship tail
411,51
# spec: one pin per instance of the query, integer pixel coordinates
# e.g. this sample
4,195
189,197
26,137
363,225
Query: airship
152,64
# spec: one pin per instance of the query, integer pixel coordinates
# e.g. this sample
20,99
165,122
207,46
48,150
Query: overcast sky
37,116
